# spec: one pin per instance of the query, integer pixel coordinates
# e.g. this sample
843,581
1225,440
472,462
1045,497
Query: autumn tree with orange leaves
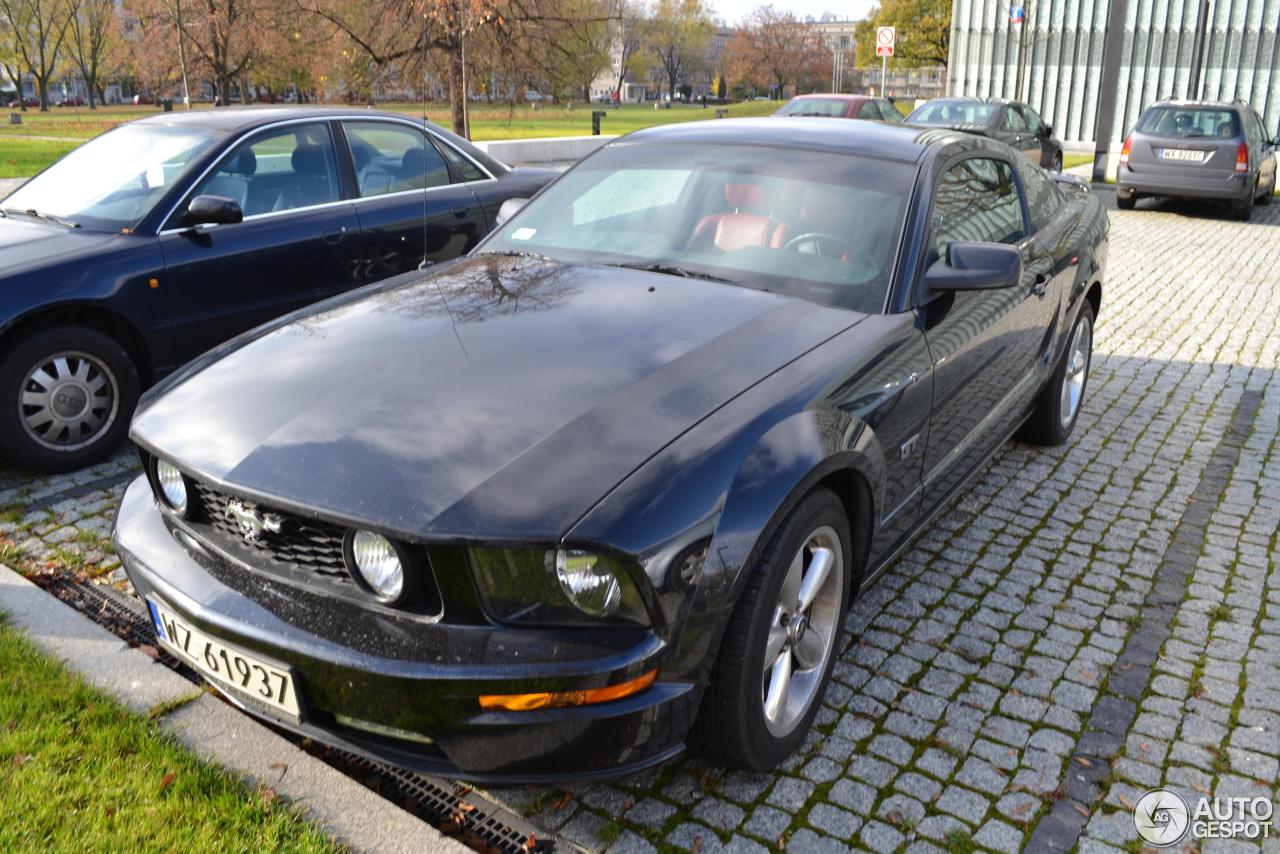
774,48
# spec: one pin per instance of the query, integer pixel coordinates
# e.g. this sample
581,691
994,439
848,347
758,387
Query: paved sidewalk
1085,623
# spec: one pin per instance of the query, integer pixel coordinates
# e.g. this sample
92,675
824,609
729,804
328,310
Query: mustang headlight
377,565
566,586
173,487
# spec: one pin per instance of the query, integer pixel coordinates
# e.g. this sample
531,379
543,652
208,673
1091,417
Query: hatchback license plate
239,674
1188,154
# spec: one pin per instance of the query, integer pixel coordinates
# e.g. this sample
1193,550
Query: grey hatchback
1200,150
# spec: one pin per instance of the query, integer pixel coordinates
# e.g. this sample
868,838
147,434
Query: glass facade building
1063,70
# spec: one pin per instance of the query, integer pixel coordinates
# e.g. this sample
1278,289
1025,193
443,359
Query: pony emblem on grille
251,523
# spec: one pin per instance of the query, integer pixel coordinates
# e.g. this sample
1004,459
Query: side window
464,167
1014,119
890,112
1034,123
1043,197
976,200
869,110
392,158
278,170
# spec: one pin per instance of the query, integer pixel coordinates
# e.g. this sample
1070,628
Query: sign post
885,37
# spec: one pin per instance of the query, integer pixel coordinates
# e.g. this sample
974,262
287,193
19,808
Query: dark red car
26,102
842,107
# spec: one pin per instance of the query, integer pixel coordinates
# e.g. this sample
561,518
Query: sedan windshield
113,181
813,107
814,224
943,112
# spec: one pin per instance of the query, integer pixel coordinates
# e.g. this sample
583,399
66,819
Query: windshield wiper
35,214
674,270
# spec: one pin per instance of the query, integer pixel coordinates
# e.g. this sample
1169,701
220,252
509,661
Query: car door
1266,153
411,206
986,346
295,246
1017,134
1042,133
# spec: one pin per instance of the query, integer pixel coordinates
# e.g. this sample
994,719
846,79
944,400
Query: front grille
308,546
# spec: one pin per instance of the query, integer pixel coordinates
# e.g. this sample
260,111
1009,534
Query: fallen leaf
697,844
149,650
782,841
1128,804
1084,812
167,780
269,795
1085,762
1144,746
704,779
1204,790
531,843
20,759
564,801
467,807
1022,808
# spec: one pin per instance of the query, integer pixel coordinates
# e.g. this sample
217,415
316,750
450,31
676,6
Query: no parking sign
884,41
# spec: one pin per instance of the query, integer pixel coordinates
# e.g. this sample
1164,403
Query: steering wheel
818,238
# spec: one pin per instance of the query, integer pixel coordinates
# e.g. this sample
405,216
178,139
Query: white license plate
239,674
1188,154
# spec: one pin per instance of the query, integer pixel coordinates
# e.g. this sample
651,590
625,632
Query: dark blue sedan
166,236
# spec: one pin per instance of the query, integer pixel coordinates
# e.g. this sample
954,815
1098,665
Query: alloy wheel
802,635
1077,371
68,400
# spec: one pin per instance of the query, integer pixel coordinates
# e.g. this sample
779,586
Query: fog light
172,486
589,582
377,565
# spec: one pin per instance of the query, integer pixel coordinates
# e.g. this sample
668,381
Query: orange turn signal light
557,699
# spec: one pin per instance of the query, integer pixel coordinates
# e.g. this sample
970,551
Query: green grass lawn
1069,160
22,157
80,773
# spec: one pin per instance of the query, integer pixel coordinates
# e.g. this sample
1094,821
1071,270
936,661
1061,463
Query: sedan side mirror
1048,130
975,267
214,210
509,208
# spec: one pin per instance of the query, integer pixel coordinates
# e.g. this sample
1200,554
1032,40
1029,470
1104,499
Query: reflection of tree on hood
485,286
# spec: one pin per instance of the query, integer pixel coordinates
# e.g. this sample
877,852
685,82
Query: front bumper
1223,188
404,691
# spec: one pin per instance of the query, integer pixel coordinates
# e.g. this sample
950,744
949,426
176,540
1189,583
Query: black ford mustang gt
168,235
608,485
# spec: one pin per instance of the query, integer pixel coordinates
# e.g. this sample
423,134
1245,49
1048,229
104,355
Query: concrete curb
350,813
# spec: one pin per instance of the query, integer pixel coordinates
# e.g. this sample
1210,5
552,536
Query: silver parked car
1199,150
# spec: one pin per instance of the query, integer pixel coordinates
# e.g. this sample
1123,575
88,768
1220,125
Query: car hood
499,399
26,243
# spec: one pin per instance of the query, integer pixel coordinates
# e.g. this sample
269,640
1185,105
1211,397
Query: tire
66,396
1126,203
1243,210
1266,197
1050,423
734,727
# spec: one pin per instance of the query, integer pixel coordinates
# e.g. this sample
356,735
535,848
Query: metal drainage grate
460,811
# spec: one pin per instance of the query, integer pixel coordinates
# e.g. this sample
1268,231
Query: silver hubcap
67,401
1077,370
803,632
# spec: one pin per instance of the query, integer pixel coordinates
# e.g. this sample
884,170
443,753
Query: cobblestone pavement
1086,622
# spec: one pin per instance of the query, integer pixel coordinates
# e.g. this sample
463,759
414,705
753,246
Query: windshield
813,107
112,182
953,113
1189,121
814,224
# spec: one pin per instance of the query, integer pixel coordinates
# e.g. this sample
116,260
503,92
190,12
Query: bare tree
773,47
36,31
92,25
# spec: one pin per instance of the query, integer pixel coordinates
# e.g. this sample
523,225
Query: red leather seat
737,229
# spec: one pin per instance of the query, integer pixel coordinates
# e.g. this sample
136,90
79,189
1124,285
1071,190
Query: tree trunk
457,89
42,91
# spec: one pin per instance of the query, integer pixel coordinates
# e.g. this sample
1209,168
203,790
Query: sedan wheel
1078,352
66,396
779,647
803,632
1058,407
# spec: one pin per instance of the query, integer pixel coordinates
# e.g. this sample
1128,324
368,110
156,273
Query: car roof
874,139
1217,105
832,96
240,118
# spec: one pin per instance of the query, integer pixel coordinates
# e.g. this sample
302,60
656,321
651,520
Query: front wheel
66,396
1058,406
779,647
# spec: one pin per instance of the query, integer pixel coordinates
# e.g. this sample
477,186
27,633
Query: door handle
461,212
1041,285
334,235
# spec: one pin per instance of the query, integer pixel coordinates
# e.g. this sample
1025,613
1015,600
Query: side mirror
214,210
1048,130
975,267
509,208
